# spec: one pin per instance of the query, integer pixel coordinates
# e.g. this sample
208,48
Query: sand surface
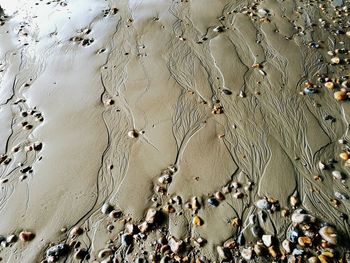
224,117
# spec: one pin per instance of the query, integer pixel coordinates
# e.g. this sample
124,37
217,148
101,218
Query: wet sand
174,131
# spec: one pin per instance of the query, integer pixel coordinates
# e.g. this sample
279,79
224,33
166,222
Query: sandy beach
174,131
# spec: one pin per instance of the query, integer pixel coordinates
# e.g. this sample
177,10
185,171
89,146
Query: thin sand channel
174,131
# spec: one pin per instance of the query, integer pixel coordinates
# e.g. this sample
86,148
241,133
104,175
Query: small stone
294,201
273,252
247,253
143,227
175,246
263,12
322,166
11,239
238,195
130,228
230,244
329,85
340,95
57,251
226,91
267,240
299,217
335,60
133,134
115,214
263,204
26,236
106,208
213,202
324,259
222,252
76,231
287,246
304,241
292,234
259,249
337,175
151,215
105,253
219,196
197,221
126,239
242,94
341,196
344,156
218,29
329,234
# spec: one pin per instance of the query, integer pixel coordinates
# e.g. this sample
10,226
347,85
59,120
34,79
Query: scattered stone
76,231
175,246
133,134
11,239
337,175
299,217
304,241
287,246
106,208
322,166
341,196
151,215
223,252
344,156
267,240
340,95
313,260
329,234
247,253
57,251
263,204
126,239
26,236
219,29
197,221
213,202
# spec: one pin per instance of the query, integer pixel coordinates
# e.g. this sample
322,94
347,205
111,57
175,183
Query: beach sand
174,131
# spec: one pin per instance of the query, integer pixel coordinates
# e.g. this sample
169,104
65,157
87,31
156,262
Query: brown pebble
26,236
340,95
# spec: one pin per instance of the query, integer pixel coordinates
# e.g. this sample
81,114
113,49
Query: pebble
133,134
80,254
341,196
259,249
197,221
340,95
11,239
322,166
299,217
287,246
143,227
294,201
222,252
263,12
175,246
337,175
151,215
219,196
329,85
26,236
76,231
219,29
335,60
304,241
57,251
329,234
126,239
247,253
267,240
263,204
344,156
106,208
272,252
213,202
292,234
